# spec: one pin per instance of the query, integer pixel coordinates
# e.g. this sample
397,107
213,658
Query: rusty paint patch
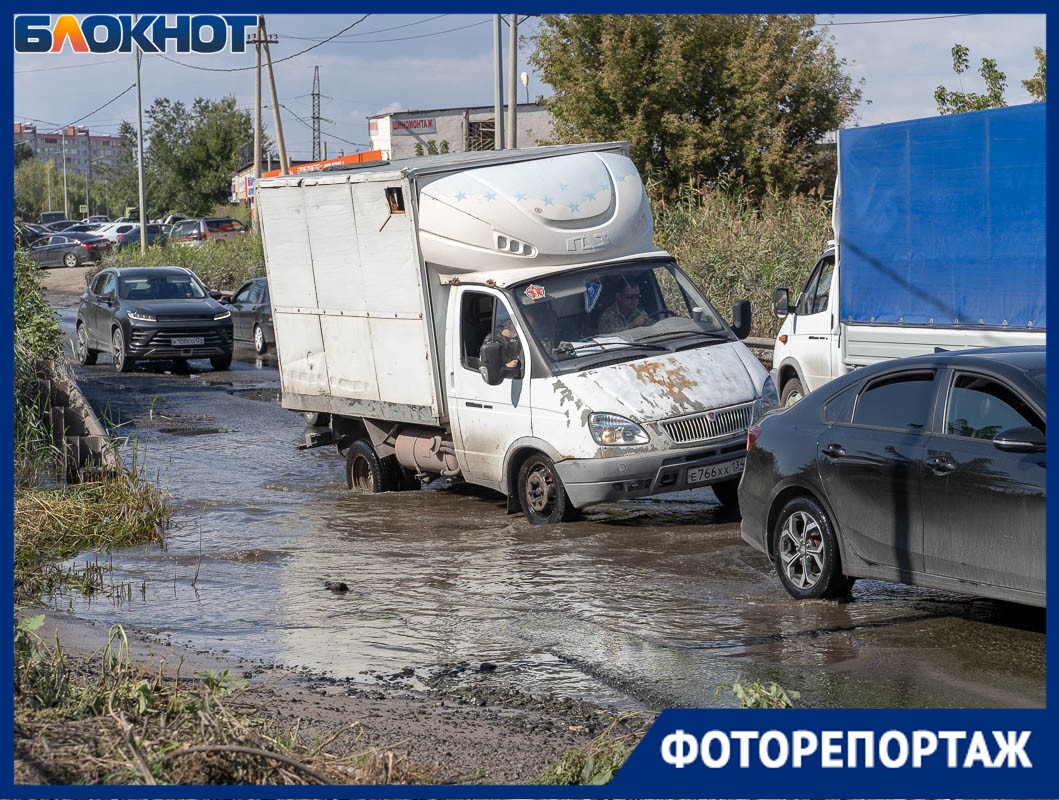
669,376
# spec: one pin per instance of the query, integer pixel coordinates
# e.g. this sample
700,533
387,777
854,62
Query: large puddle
653,602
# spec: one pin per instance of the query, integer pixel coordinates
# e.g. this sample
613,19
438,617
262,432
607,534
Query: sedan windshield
630,308
165,286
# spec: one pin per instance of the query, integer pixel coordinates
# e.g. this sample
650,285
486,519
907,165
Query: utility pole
498,86
66,197
512,71
257,124
88,172
284,165
316,114
139,153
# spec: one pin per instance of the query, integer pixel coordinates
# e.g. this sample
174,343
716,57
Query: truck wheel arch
517,453
785,372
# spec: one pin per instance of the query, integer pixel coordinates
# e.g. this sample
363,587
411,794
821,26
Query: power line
277,61
888,21
72,66
369,33
90,113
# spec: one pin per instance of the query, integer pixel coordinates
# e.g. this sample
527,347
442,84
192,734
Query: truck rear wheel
542,496
366,472
792,392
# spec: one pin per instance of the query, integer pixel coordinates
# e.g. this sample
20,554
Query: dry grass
735,246
104,721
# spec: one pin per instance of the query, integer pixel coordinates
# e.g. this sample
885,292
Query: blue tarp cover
942,220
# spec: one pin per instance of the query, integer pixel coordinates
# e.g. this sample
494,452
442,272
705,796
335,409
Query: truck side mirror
1024,439
781,302
492,363
741,318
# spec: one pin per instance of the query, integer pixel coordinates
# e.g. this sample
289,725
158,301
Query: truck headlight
611,429
769,399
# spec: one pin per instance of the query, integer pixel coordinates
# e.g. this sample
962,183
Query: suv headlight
222,315
769,399
141,316
611,429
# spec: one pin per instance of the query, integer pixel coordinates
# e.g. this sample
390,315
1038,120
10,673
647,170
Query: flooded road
645,603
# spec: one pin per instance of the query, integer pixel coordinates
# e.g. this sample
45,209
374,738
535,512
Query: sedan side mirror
781,303
1024,439
741,318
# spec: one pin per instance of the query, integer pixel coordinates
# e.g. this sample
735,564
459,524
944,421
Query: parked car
83,227
112,230
26,234
68,249
928,471
60,225
100,218
141,313
193,232
51,216
155,236
251,310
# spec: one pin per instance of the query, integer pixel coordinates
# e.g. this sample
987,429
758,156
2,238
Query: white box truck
503,318
940,236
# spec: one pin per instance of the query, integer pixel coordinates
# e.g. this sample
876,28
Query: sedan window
980,408
899,402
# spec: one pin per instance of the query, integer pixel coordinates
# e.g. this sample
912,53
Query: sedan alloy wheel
806,552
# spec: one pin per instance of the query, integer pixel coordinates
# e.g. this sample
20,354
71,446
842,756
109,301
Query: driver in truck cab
625,311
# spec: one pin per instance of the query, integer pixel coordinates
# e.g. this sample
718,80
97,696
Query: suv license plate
187,341
727,469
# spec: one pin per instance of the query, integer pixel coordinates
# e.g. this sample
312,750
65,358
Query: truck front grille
709,425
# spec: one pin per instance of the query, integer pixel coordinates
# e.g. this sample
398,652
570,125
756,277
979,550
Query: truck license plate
187,341
727,469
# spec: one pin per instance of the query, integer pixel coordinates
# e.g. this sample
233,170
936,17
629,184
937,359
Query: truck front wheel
366,472
792,392
542,496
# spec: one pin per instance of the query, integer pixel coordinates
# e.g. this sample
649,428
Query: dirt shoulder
455,733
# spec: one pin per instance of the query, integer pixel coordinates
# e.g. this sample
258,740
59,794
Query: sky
387,63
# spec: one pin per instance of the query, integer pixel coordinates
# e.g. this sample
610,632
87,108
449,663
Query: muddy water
653,602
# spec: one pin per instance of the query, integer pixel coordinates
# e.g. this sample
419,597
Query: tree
698,96
960,102
23,152
1036,85
193,152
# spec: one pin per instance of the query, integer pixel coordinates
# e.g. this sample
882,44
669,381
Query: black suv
140,313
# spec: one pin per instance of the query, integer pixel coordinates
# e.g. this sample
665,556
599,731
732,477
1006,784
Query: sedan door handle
941,465
834,450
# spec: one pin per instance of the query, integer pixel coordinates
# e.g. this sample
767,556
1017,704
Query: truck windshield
634,307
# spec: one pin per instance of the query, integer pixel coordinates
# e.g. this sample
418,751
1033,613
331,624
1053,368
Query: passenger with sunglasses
625,311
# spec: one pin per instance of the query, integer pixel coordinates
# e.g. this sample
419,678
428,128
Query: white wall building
406,134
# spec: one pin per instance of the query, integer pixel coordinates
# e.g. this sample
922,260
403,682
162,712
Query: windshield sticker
534,292
592,291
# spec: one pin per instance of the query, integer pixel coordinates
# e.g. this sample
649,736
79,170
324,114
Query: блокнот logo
120,33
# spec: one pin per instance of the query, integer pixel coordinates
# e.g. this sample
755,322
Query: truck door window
482,317
814,296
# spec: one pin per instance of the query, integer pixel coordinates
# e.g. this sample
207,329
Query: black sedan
928,471
69,249
140,313
252,314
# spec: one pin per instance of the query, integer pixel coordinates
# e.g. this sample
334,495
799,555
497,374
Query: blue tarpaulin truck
939,243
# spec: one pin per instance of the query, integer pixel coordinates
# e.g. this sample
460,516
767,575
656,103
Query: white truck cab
504,319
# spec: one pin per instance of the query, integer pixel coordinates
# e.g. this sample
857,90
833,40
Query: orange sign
316,166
